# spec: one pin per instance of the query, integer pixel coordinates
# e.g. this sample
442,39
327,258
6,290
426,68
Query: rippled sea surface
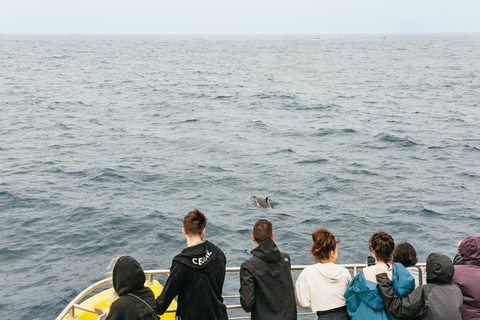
107,142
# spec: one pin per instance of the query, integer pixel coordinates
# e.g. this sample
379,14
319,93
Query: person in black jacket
196,276
439,299
266,285
135,302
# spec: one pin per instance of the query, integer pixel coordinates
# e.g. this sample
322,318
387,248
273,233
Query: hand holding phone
100,313
370,261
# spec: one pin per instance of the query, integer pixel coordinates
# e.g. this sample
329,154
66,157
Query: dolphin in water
262,202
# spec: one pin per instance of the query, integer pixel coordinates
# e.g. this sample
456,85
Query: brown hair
194,222
405,253
382,243
324,242
262,230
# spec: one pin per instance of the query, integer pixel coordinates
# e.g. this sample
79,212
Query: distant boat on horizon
317,38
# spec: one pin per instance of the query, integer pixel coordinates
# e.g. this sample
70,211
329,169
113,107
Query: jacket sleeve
411,307
302,291
172,288
117,309
247,289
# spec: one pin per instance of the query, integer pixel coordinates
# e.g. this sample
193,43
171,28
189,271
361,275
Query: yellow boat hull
100,301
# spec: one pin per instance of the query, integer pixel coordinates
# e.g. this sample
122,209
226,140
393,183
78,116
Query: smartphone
370,261
100,313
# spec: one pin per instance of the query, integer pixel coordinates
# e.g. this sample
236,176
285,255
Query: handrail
71,306
74,304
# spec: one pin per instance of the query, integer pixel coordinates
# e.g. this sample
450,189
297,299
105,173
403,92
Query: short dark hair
405,253
324,242
383,245
262,230
194,222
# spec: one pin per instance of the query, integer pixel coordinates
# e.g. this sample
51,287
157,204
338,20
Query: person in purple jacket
467,276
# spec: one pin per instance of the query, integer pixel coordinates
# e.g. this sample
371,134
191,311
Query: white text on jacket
200,261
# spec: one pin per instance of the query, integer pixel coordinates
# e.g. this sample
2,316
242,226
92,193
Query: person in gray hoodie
439,299
266,285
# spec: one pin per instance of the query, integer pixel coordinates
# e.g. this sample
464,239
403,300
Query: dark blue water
107,142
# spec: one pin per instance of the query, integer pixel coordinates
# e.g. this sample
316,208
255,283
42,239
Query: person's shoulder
400,270
467,267
368,269
345,272
285,257
345,269
177,267
214,247
368,273
359,279
339,267
361,285
311,268
466,273
423,290
212,244
309,271
250,262
176,258
119,305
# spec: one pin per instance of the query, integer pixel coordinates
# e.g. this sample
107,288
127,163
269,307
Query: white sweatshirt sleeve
302,291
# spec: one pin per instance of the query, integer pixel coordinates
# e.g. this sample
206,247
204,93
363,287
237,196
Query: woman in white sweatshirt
322,285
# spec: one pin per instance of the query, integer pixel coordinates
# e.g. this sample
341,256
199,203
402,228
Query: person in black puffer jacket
439,299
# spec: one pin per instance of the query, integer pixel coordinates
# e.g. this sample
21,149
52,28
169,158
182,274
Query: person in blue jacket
363,297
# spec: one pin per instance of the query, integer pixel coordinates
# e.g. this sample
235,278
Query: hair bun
383,245
324,242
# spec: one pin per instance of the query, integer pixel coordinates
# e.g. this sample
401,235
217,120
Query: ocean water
107,142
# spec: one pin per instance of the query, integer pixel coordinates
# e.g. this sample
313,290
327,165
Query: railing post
71,313
150,278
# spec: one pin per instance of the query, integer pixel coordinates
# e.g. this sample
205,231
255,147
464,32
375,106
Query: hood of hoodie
201,257
470,250
439,268
330,271
128,276
267,251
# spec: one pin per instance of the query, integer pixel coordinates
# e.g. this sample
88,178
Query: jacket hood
267,251
470,250
201,257
439,268
330,271
128,276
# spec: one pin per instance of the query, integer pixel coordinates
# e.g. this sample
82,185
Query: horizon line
234,34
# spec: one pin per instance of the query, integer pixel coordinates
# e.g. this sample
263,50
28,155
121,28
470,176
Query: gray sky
238,17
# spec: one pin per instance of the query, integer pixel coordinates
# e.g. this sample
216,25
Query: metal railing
75,303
